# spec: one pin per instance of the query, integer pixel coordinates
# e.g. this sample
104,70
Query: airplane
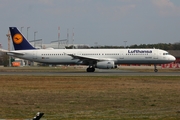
93,58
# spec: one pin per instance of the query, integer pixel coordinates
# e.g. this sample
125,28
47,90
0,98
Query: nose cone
172,58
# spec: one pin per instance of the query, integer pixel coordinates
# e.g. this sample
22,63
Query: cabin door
155,54
121,56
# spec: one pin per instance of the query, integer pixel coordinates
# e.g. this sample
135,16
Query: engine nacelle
106,65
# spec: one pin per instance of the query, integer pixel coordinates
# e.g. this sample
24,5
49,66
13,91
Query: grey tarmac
96,73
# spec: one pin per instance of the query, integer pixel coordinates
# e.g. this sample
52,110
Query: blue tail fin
19,41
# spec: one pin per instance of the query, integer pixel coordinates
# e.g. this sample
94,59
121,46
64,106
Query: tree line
164,46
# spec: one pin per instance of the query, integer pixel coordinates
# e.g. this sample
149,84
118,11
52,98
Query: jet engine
105,65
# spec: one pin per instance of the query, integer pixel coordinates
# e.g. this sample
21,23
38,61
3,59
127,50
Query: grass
84,98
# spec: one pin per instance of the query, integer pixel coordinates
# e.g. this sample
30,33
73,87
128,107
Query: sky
94,22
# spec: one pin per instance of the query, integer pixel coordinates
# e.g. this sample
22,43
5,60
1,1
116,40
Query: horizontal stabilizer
3,50
15,53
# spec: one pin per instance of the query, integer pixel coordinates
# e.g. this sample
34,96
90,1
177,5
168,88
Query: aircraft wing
85,58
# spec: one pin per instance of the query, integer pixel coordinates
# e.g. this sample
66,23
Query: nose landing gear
155,68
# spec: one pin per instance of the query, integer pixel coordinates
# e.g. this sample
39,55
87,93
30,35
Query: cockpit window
166,54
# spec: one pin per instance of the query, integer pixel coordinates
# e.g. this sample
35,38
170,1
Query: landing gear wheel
93,69
155,70
90,69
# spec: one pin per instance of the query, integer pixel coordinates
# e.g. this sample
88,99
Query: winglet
19,41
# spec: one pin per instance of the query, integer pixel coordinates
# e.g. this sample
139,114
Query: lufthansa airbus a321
93,58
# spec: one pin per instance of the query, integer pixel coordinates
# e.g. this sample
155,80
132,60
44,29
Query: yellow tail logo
18,38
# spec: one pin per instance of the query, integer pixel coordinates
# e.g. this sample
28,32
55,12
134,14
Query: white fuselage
119,56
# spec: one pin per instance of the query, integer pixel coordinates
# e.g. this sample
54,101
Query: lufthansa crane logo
17,38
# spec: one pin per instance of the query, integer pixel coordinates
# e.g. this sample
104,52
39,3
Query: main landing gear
90,69
155,68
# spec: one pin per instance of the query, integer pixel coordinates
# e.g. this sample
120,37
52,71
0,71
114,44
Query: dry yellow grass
90,97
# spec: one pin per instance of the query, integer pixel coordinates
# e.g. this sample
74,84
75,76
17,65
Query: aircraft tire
90,69
155,70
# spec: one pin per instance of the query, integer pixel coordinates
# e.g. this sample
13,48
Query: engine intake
106,65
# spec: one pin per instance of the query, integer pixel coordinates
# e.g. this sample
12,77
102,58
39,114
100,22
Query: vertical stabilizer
19,41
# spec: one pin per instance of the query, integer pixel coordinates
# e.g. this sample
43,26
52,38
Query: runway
97,73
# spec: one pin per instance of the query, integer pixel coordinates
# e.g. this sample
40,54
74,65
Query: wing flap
83,58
